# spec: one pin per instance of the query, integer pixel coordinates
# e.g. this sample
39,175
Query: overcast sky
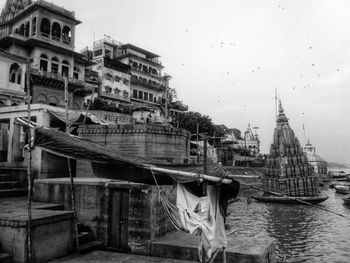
227,57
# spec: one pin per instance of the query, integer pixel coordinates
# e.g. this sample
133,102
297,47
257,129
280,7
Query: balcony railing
147,84
115,96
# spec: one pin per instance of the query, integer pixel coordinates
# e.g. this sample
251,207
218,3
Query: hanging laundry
199,216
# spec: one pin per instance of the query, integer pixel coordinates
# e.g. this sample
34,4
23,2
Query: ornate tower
287,170
13,7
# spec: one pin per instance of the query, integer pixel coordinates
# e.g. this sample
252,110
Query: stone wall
166,145
147,218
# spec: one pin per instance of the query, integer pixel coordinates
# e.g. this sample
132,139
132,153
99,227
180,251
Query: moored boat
346,199
290,200
342,189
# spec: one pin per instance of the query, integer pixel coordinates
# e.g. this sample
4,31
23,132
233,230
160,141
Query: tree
189,120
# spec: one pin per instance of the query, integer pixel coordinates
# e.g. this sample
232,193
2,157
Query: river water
303,233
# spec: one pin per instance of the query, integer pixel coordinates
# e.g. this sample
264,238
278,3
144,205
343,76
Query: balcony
55,80
115,96
147,84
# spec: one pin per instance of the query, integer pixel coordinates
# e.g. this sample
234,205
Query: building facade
132,75
45,35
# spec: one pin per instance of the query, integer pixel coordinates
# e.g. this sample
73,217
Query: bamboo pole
29,170
76,236
192,175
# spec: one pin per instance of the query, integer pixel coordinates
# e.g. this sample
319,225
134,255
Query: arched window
66,35
43,62
16,31
76,72
34,26
26,33
21,30
45,27
15,73
55,65
56,31
65,68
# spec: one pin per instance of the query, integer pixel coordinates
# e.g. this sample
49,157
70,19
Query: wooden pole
205,170
29,169
191,175
76,236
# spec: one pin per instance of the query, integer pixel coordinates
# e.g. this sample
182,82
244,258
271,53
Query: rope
155,180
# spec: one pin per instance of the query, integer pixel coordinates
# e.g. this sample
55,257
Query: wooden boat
346,199
290,200
342,189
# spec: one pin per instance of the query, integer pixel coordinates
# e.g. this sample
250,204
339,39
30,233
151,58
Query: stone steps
13,192
90,246
5,258
8,185
5,177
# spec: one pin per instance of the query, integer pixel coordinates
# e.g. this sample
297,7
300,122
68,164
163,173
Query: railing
57,8
115,96
147,84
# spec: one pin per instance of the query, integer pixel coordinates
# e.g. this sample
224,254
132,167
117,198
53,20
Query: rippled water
303,233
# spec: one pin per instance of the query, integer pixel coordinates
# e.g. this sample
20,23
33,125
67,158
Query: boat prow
290,200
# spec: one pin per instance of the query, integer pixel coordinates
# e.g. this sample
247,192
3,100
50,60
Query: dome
12,8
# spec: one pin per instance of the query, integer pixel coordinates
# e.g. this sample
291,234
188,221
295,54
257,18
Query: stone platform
51,230
240,249
113,257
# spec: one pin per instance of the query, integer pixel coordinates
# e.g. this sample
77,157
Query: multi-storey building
132,74
44,34
114,75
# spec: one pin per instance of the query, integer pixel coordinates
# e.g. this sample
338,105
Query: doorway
119,218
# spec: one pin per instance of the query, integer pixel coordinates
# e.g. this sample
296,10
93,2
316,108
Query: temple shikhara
287,169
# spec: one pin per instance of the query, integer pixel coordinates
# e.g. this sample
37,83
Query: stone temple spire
12,8
281,117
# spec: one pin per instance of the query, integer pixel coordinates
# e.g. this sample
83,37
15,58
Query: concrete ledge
240,249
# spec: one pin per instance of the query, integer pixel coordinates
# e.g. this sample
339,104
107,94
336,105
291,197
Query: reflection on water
303,233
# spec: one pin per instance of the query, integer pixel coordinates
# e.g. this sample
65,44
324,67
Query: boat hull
346,199
286,200
344,190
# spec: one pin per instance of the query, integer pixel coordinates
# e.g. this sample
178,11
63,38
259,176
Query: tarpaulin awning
110,164
77,117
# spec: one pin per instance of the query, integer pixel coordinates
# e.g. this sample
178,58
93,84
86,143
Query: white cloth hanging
200,216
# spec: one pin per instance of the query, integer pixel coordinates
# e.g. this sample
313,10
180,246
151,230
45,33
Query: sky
228,57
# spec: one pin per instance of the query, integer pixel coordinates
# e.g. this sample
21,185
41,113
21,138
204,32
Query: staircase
10,185
87,243
5,257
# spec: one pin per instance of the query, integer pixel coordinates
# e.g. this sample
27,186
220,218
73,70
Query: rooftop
148,54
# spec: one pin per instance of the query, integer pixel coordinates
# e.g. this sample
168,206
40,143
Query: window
56,31
15,73
65,68
45,27
140,94
33,26
43,62
54,65
26,31
98,52
134,93
150,97
76,72
66,35
145,96
21,30
108,89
